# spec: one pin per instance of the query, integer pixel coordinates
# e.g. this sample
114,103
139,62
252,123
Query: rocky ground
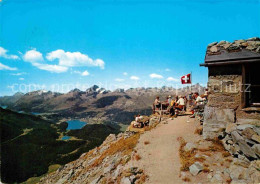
174,151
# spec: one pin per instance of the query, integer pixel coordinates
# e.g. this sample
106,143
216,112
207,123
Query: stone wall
225,86
215,121
225,91
224,100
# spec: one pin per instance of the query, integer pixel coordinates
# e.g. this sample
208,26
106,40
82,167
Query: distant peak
93,88
75,90
18,94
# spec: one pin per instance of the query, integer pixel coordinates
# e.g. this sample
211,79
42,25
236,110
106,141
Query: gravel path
160,158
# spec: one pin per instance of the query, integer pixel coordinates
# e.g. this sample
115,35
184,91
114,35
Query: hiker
199,104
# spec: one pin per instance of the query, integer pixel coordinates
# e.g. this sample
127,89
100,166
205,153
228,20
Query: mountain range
95,104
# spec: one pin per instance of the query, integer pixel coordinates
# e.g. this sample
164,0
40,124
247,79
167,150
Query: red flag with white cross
186,79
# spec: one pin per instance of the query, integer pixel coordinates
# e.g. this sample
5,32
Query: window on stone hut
252,80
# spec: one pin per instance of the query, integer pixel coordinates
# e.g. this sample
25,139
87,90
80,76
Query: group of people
174,106
180,103
140,121
170,104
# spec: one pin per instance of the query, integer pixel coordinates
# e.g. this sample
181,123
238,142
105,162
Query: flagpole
191,81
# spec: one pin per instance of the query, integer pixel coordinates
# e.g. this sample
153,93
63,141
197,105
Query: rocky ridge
111,162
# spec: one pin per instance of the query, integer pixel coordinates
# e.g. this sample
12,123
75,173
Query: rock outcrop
104,164
242,142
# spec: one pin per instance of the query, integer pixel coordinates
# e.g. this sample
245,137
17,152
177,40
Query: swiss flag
186,79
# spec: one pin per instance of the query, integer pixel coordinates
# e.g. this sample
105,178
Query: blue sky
124,43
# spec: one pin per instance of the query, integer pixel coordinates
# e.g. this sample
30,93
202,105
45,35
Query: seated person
138,120
199,104
206,94
180,103
135,124
169,99
171,108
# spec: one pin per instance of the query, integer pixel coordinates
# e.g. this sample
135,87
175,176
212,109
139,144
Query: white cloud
51,68
172,79
167,70
119,80
18,74
125,73
21,78
134,78
71,59
155,76
33,56
85,73
6,56
5,67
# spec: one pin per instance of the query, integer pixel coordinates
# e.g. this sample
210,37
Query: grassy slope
29,153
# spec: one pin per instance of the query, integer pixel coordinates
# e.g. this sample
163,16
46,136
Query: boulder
233,46
189,147
211,44
247,150
221,43
125,180
217,178
244,126
236,136
226,45
245,44
209,176
238,42
248,133
253,172
242,161
213,49
153,121
195,168
256,149
256,138
237,172
258,49
257,130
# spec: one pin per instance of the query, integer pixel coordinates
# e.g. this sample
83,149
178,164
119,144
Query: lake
35,113
65,138
75,124
4,106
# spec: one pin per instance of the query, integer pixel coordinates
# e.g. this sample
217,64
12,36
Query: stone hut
234,85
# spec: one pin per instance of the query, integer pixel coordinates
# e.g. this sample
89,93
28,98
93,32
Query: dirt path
160,158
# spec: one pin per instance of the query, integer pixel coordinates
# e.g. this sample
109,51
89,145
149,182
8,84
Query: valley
48,128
